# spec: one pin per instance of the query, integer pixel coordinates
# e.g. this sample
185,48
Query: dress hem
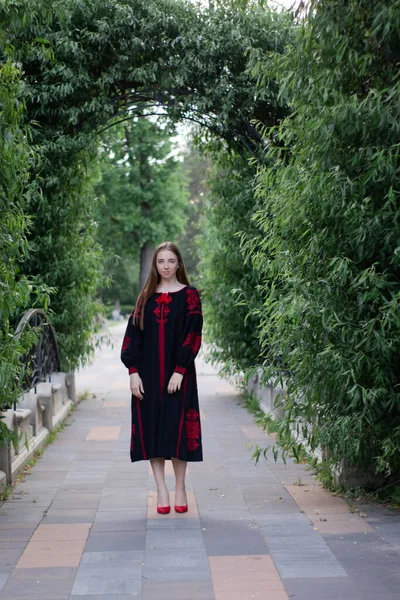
168,458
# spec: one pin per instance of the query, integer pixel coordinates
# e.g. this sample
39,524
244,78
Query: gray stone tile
126,502
117,475
130,596
16,535
107,558
67,499
173,523
362,545
9,558
374,577
82,487
39,584
313,567
110,586
309,552
274,506
108,516
191,575
174,538
308,546
232,538
175,559
136,494
14,517
123,486
167,590
226,515
114,572
390,532
382,595
75,476
372,563
322,588
119,523
3,579
15,545
38,498
36,475
285,525
57,516
115,540
230,504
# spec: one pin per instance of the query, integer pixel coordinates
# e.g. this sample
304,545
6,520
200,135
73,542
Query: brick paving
83,525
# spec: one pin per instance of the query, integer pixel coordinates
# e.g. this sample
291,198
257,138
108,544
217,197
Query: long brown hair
153,280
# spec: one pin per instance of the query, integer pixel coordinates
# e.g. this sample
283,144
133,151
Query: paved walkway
82,525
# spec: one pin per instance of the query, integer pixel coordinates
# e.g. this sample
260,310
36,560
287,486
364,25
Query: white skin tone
167,265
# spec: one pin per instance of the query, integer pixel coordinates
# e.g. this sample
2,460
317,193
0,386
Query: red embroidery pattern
126,342
181,420
194,341
180,370
132,370
161,312
164,298
133,429
193,301
192,429
162,309
192,414
192,444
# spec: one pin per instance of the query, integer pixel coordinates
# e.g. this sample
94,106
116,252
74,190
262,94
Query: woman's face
167,264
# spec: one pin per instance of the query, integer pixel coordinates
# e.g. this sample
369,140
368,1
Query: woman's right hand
136,385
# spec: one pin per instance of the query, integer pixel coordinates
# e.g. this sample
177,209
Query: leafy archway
88,64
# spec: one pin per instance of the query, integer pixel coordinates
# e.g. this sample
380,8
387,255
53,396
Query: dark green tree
196,167
85,63
329,237
144,195
230,283
16,189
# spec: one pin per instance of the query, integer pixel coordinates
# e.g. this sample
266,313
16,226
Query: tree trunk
146,255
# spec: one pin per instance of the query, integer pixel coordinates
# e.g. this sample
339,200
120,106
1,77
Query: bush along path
83,524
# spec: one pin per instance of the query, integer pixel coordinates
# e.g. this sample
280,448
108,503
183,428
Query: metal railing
43,357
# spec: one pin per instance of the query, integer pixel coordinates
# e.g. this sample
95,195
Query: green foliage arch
88,64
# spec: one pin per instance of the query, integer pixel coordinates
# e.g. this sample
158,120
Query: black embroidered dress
166,425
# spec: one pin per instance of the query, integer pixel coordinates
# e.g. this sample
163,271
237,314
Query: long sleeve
131,351
191,334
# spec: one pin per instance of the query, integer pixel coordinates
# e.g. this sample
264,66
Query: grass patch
284,445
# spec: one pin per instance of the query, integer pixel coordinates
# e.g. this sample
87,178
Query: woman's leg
158,466
180,473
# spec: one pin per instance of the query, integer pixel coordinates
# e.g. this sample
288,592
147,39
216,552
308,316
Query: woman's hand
175,383
136,385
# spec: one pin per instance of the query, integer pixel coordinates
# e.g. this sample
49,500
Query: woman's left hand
175,383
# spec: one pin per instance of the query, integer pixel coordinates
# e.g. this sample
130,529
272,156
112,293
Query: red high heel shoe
181,508
163,510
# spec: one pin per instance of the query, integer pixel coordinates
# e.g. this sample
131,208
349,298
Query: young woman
161,341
